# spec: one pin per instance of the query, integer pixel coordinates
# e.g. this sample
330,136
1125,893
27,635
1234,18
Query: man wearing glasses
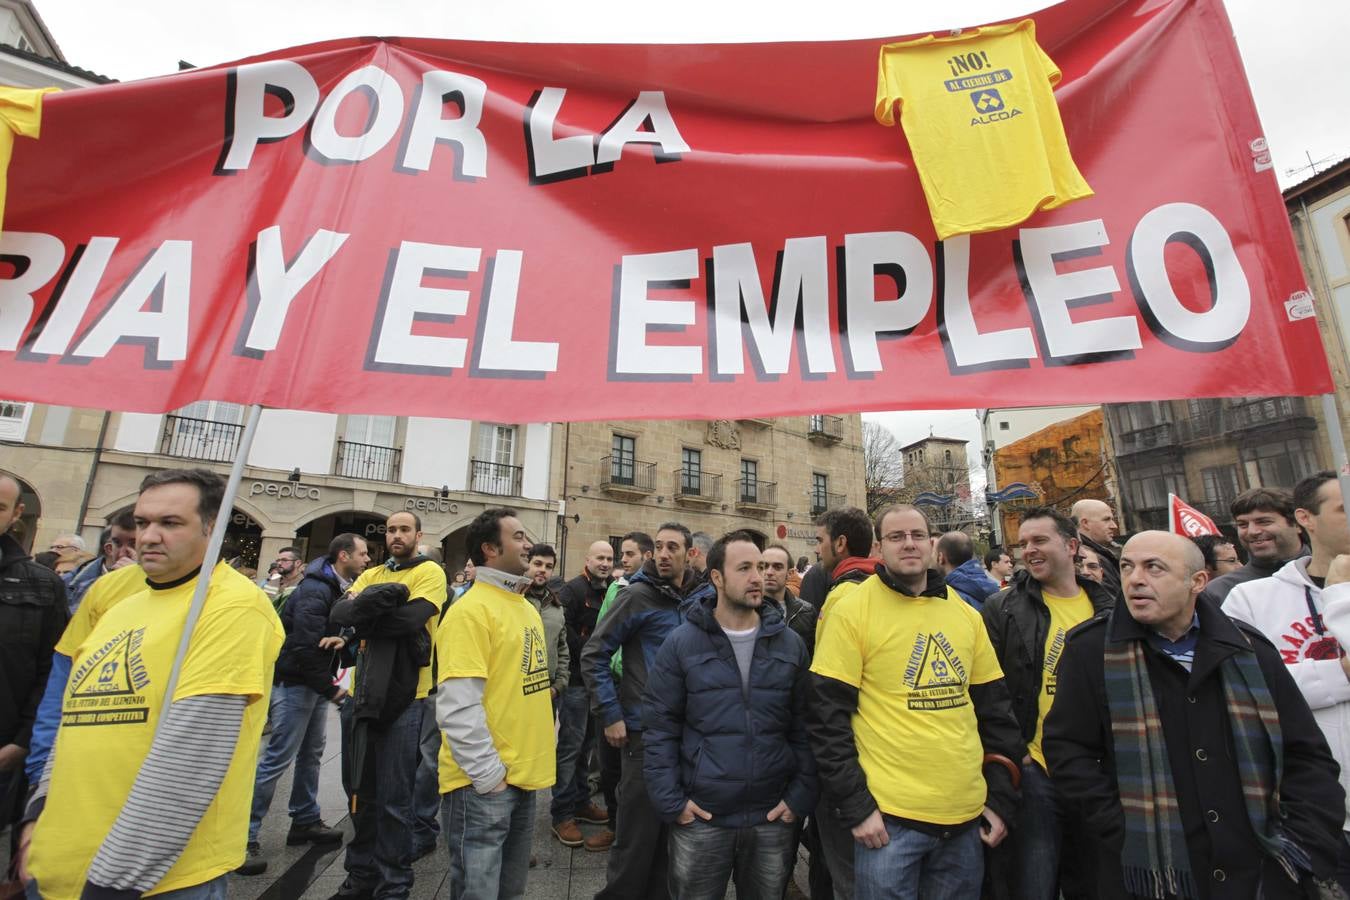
117,549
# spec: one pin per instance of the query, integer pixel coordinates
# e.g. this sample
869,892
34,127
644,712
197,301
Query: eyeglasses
63,547
896,537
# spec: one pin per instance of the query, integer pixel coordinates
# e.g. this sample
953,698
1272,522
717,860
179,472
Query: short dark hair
417,520
777,546
993,555
210,489
717,556
343,543
47,559
676,526
292,550
1274,499
125,520
1305,492
957,547
544,550
802,563
899,507
642,539
486,528
1067,528
852,525
1207,543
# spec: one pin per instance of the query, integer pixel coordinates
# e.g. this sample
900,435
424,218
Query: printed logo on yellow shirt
987,100
534,662
1053,651
107,687
935,676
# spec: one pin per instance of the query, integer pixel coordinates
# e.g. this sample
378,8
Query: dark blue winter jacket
734,752
305,618
973,584
644,613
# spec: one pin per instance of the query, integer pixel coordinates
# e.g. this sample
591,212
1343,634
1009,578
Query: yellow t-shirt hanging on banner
980,114
21,112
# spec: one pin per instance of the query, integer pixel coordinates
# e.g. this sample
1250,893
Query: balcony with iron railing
826,429
697,486
1153,437
206,439
756,494
500,479
823,503
1220,419
370,462
625,475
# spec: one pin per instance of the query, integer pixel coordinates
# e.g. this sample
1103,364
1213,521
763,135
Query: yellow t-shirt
496,635
1065,614
425,580
106,592
21,113
840,590
913,660
112,704
980,115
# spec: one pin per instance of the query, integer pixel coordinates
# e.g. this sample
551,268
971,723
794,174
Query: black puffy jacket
32,616
305,618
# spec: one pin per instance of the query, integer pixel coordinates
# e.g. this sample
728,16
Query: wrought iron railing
824,502
495,478
369,461
753,492
697,484
828,427
627,474
190,438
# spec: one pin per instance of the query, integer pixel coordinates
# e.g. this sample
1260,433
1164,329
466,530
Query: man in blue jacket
727,762
303,686
644,614
962,571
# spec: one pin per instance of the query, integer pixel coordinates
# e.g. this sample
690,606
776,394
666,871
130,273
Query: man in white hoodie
1287,608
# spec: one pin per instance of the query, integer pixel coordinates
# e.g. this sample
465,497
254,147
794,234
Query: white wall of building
436,452
138,433
1332,243
538,444
288,438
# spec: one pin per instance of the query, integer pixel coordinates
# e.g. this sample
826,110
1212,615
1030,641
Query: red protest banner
461,229
1187,520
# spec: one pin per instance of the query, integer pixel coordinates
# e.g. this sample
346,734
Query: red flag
1188,520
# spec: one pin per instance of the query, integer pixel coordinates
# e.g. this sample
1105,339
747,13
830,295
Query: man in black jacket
911,724
1195,757
798,615
1027,624
302,682
1097,531
32,617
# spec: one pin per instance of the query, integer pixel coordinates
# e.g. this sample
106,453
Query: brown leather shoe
600,842
568,833
593,815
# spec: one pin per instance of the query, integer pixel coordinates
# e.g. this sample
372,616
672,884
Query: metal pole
1333,420
212,554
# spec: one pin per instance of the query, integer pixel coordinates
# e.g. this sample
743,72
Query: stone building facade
774,475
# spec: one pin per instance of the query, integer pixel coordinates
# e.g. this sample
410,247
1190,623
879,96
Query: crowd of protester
1150,718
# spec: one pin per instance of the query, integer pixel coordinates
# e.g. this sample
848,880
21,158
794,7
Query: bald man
1097,531
1184,739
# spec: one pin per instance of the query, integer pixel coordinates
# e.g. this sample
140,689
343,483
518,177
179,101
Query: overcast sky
1294,51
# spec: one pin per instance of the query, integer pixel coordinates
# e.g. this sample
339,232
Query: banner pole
212,554
1331,413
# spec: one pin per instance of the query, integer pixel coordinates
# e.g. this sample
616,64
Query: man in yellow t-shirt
386,821
494,711
1027,624
979,112
904,685
119,813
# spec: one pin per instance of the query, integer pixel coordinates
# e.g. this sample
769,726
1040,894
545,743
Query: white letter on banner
638,312
497,351
907,260
44,253
386,98
1172,322
547,155
165,279
250,85
64,321
408,300
1055,293
967,345
272,286
649,105
428,128
803,280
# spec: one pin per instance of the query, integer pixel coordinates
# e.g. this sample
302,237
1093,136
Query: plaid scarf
1155,859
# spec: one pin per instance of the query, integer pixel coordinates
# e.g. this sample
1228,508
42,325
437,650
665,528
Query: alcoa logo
990,106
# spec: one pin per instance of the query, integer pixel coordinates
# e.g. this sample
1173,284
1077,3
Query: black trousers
637,861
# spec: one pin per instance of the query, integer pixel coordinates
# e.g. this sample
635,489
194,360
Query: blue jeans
571,789
703,857
915,864
489,840
379,855
1039,837
298,718
427,789
215,889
